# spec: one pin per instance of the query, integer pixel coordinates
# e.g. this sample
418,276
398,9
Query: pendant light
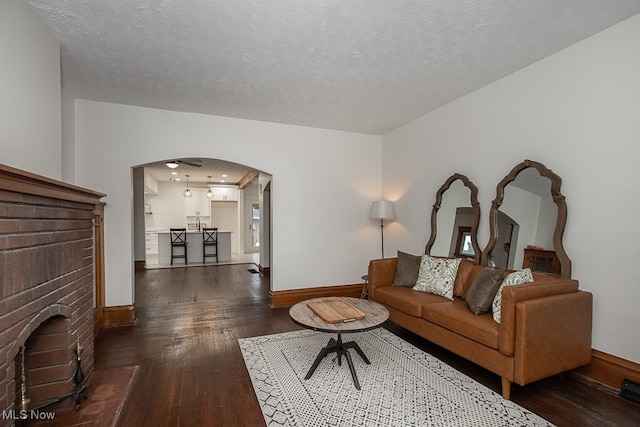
209,192
187,192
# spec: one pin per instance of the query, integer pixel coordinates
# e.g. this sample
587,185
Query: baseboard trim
264,271
609,370
293,296
116,316
139,265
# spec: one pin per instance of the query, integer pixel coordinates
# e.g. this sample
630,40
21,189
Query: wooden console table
541,261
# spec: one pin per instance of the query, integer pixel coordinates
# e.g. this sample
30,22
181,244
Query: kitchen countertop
189,231
195,248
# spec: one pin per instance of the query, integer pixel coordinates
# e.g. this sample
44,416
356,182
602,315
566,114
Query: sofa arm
553,335
382,272
511,295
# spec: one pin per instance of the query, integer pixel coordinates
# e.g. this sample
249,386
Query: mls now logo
34,414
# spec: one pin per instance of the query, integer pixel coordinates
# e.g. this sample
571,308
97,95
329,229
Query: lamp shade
382,210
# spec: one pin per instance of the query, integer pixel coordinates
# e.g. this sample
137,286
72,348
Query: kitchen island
194,248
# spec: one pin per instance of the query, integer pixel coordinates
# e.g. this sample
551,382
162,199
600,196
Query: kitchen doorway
227,196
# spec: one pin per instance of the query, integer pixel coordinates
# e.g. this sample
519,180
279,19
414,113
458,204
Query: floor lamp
382,210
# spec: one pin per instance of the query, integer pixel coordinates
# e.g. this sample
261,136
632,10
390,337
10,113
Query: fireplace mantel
23,182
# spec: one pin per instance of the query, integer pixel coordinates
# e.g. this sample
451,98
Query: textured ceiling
199,171
360,65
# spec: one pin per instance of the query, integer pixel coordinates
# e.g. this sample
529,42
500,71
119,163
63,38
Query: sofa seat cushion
406,299
456,316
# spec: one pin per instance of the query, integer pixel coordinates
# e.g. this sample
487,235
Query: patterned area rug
403,386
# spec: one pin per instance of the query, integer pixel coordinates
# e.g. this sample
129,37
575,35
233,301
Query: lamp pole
382,210
382,235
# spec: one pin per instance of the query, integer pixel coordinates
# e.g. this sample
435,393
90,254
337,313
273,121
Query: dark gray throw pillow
484,289
407,268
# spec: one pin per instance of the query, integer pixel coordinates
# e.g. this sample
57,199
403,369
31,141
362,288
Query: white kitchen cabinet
224,193
198,204
151,243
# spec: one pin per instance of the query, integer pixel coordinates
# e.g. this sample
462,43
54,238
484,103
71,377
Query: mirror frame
561,220
474,205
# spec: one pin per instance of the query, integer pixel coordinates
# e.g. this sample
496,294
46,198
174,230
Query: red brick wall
46,285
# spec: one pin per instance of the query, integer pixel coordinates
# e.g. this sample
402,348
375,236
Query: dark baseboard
139,265
264,271
113,317
294,296
609,370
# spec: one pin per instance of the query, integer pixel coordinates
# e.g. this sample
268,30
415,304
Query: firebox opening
48,363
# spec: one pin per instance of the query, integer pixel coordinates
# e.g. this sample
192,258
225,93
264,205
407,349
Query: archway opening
197,193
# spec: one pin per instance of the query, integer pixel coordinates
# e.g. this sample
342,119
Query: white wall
30,104
68,138
139,216
323,183
578,112
266,240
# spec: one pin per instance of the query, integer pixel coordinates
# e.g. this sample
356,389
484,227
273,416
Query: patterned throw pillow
437,275
516,278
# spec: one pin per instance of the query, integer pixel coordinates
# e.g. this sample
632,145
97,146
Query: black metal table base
341,349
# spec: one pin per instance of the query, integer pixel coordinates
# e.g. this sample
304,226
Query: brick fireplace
48,274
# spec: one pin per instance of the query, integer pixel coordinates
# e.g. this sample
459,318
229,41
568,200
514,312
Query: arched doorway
220,194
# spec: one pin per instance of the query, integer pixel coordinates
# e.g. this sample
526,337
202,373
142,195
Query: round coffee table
375,315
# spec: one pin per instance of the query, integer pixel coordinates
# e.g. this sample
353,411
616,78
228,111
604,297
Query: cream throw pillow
436,275
516,278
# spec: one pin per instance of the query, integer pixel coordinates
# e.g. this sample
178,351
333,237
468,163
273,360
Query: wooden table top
375,315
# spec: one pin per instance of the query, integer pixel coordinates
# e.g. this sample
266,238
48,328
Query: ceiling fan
172,164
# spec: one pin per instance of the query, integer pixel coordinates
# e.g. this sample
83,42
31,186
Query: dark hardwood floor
191,371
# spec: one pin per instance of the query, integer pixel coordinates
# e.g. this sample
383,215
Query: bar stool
209,239
178,240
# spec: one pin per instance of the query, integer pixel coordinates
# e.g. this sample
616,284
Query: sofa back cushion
463,276
467,272
542,277
468,279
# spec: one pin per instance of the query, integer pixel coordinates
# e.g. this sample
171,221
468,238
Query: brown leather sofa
545,326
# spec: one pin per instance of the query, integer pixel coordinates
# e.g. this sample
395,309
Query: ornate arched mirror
527,221
454,220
